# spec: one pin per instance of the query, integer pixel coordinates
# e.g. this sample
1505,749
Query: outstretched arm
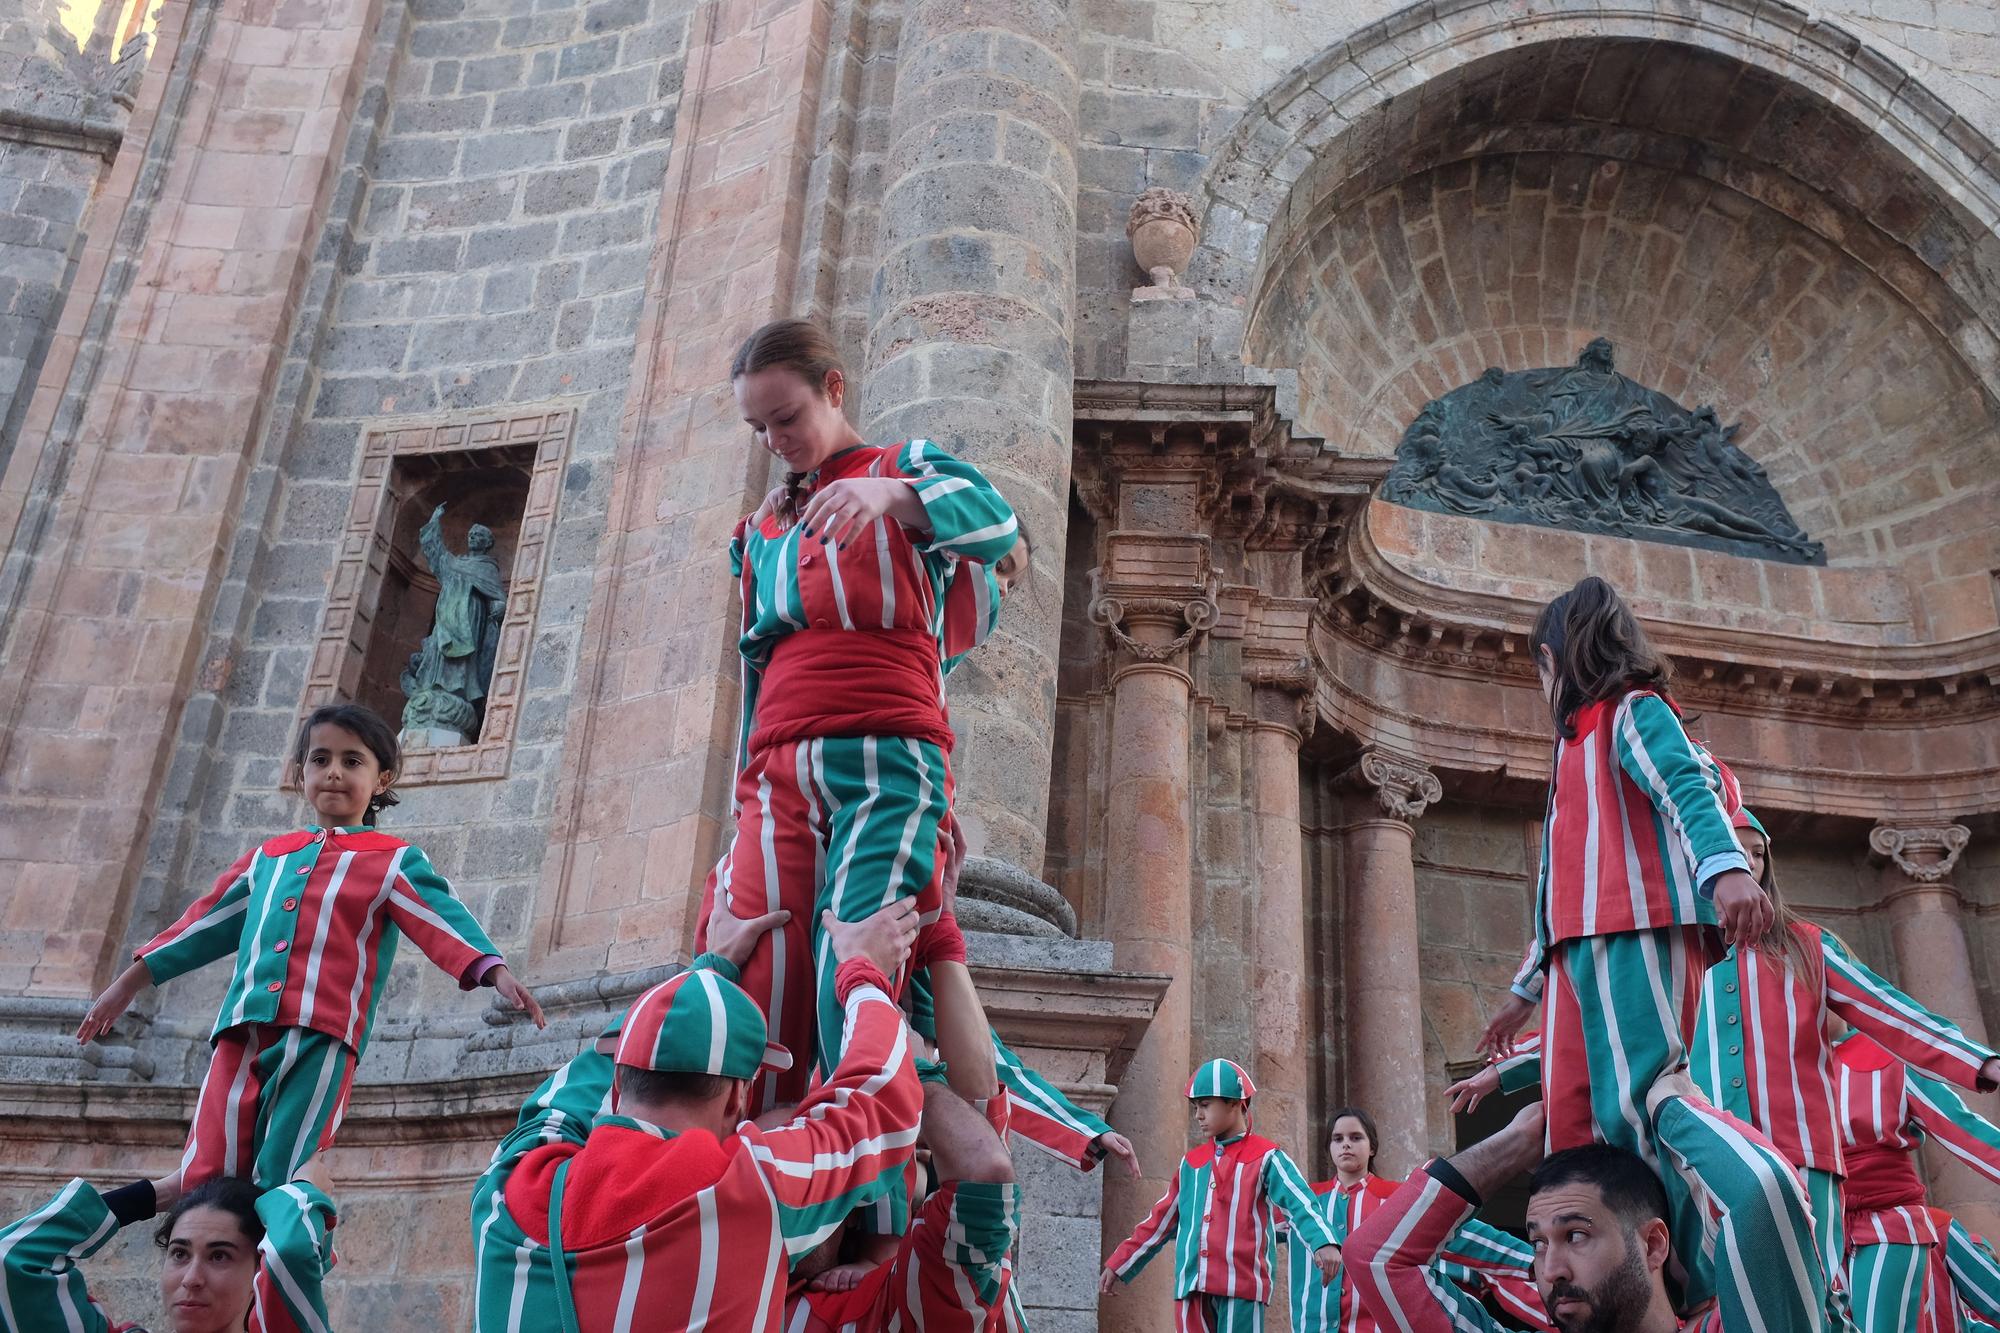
1919,1038
1147,1239
41,1288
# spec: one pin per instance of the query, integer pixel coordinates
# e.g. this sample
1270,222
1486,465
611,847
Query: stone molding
1367,598
1402,787
1001,898
349,614
1906,846
1195,614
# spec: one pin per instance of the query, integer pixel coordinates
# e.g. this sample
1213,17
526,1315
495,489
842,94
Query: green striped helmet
1221,1078
699,1022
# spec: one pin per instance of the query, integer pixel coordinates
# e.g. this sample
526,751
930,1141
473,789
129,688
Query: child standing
1219,1213
312,918
1639,865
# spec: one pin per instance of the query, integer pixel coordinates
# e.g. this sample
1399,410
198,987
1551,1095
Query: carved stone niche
501,472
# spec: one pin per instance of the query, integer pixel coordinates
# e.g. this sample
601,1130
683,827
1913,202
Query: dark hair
228,1194
1599,650
1026,543
654,1086
366,723
1629,1186
1783,939
1367,1127
802,347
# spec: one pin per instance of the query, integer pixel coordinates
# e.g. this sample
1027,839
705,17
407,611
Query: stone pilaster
1154,599
1934,964
1385,1029
970,345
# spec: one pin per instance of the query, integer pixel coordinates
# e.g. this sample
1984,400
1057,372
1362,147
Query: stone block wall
44,192
497,264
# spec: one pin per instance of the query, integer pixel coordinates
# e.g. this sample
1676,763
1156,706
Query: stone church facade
1254,766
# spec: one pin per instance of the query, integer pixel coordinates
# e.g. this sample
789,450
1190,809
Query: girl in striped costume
1761,1050
312,919
1639,867
231,1259
1219,1214
1476,1256
842,781
1910,1266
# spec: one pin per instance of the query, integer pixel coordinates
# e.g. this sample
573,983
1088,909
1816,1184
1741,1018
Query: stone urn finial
1162,231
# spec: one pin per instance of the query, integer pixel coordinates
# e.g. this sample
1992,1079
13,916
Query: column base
1000,898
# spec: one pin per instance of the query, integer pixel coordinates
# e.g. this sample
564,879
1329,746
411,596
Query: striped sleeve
1046,1118
1485,1257
968,518
423,907
1151,1236
1684,783
211,928
857,1129
1956,1127
1523,1069
1388,1260
1285,1186
971,611
1916,1036
1531,975
41,1288
1975,1273
295,1256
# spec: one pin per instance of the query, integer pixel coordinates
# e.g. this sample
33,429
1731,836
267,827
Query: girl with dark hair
232,1258
1477,1257
843,788
313,918
1639,867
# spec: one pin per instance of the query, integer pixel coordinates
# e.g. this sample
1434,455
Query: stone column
1385,1028
1281,716
970,345
1934,965
1153,601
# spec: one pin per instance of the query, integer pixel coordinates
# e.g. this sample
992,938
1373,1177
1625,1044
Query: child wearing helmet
1220,1213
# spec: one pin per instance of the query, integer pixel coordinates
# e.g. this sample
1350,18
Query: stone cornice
1367,598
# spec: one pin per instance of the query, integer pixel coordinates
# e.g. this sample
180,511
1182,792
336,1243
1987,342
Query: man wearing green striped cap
603,1203
1219,1213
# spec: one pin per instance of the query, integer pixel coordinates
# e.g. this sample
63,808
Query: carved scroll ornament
1197,615
1403,788
1902,845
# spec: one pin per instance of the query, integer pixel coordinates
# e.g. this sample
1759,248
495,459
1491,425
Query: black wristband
1449,1176
131,1203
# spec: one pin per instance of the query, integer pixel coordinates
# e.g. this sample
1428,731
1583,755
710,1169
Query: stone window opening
502,473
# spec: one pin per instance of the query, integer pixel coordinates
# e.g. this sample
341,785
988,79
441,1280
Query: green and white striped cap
1221,1078
699,1022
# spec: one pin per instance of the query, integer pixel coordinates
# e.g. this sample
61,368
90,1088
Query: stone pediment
1586,448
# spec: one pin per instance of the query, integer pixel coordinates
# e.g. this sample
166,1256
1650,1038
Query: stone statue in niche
1586,448
445,682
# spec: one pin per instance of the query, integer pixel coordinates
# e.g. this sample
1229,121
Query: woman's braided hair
803,348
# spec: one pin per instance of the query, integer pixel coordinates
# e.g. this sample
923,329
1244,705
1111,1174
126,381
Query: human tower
808,1129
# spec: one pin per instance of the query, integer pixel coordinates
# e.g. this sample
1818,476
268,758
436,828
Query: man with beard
1597,1217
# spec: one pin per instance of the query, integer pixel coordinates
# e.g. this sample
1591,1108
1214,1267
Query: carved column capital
1403,787
1155,593
1926,853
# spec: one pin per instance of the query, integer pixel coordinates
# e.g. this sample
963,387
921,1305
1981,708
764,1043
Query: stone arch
1760,211
1343,108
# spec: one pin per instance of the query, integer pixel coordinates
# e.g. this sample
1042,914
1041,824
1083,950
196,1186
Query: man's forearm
1489,1164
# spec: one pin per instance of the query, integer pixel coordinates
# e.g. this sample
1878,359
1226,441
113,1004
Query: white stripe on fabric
26,1226
300,1149
288,1282
885,565
1614,1036
320,933
978,535
635,1271
1398,1238
244,960
210,921
367,942
231,1150
718,1020
838,586
702,1303
1588,755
